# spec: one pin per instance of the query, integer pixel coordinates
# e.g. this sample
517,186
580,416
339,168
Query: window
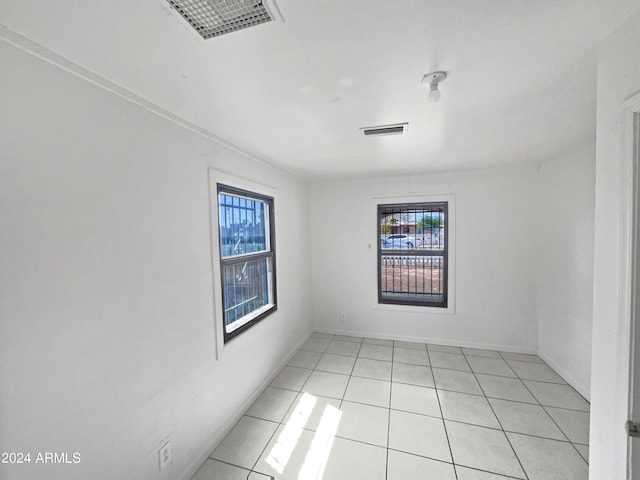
413,253
247,258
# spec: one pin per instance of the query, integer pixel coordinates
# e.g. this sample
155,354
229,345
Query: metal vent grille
394,129
212,18
385,131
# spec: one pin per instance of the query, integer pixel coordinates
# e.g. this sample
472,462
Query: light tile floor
352,408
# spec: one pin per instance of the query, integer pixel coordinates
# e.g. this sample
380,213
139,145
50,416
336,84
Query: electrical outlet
165,454
343,317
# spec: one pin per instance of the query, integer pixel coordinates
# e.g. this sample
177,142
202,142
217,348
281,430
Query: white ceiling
521,86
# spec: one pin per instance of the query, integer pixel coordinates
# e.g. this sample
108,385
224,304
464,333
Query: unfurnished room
333,240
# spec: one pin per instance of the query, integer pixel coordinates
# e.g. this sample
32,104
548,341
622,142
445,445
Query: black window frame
270,253
414,301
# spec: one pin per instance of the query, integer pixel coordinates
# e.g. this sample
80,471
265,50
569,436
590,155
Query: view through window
247,258
413,253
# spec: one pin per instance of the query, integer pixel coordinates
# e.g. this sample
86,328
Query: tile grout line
554,383
230,464
522,381
353,367
439,460
510,477
556,424
563,433
264,449
386,469
540,381
498,419
444,424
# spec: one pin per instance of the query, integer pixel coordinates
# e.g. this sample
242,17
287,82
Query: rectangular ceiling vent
393,129
212,18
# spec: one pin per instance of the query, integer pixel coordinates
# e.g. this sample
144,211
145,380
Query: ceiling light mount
432,80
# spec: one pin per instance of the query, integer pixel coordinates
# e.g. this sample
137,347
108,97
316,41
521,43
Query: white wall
524,256
565,265
618,78
495,256
107,323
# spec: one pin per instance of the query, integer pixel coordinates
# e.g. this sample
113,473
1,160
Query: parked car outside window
401,241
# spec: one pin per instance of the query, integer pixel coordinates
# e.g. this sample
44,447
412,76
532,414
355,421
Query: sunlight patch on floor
318,454
316,457
288,439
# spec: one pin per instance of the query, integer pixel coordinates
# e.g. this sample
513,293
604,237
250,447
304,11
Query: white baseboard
239,413
433,340
570,379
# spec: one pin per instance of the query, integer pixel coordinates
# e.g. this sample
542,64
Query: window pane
243,225
412,227
247,289
412,277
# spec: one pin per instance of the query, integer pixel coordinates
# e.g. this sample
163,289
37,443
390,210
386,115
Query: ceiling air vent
393,129
212,18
